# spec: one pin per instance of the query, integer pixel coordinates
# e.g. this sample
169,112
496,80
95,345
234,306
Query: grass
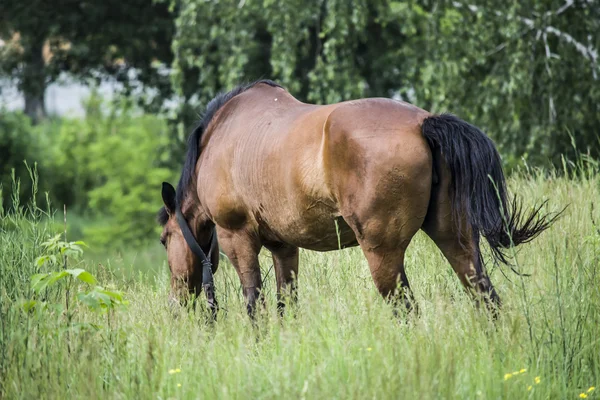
343,341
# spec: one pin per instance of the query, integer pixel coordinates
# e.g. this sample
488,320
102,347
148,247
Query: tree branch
588,52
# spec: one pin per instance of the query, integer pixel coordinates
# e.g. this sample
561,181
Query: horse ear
168,196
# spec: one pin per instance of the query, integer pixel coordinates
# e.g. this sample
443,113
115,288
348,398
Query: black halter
207,274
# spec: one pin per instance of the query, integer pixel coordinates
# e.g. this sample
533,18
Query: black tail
479,187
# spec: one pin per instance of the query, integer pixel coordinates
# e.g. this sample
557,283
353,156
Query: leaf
118,296
83,327
87,278
99,298
52,241
40,284
35,280
55,276
89,300
82,275
28,305
40,281
45,259
41,261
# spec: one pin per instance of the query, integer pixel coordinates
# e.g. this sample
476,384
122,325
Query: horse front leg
242,249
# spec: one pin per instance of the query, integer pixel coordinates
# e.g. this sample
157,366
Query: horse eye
163,241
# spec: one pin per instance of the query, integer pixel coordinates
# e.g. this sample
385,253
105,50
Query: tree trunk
33,81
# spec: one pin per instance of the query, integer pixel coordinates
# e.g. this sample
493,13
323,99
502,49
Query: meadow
340,341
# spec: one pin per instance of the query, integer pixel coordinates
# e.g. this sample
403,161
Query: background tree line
526,72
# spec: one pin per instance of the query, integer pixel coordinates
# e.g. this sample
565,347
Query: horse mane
193,143
162,217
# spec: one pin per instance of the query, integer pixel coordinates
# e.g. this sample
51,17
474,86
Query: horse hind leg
461,248
465,259
387,271
384,237
382,188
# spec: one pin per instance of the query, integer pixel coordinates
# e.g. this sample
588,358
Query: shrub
16,146
109,168
106,168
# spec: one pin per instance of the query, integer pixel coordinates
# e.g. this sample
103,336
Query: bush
16,145
107,168
110,168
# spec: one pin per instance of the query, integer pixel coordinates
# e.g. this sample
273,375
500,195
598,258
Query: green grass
343,342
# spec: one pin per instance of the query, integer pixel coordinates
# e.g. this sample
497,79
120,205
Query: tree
318,49
526,72
88,39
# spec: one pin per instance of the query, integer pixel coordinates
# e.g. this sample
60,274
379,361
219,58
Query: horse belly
316,229
338,238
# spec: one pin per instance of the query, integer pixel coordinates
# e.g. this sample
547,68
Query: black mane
193,145
162,216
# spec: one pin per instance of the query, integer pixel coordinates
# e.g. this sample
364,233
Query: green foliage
40,282
87,40
55,248
310,47
101,299
16,146
129,164
107,168
17,222
120,165
96,298
527,72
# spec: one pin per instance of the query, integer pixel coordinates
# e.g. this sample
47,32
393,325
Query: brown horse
264,169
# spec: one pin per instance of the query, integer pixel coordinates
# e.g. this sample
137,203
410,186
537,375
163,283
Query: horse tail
478,188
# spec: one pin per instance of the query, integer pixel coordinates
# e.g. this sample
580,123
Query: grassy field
343,341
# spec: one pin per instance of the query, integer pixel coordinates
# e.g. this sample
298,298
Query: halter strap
207,276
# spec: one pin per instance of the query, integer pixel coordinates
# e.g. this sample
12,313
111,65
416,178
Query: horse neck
193,210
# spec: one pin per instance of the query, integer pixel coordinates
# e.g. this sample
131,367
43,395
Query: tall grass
343,340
